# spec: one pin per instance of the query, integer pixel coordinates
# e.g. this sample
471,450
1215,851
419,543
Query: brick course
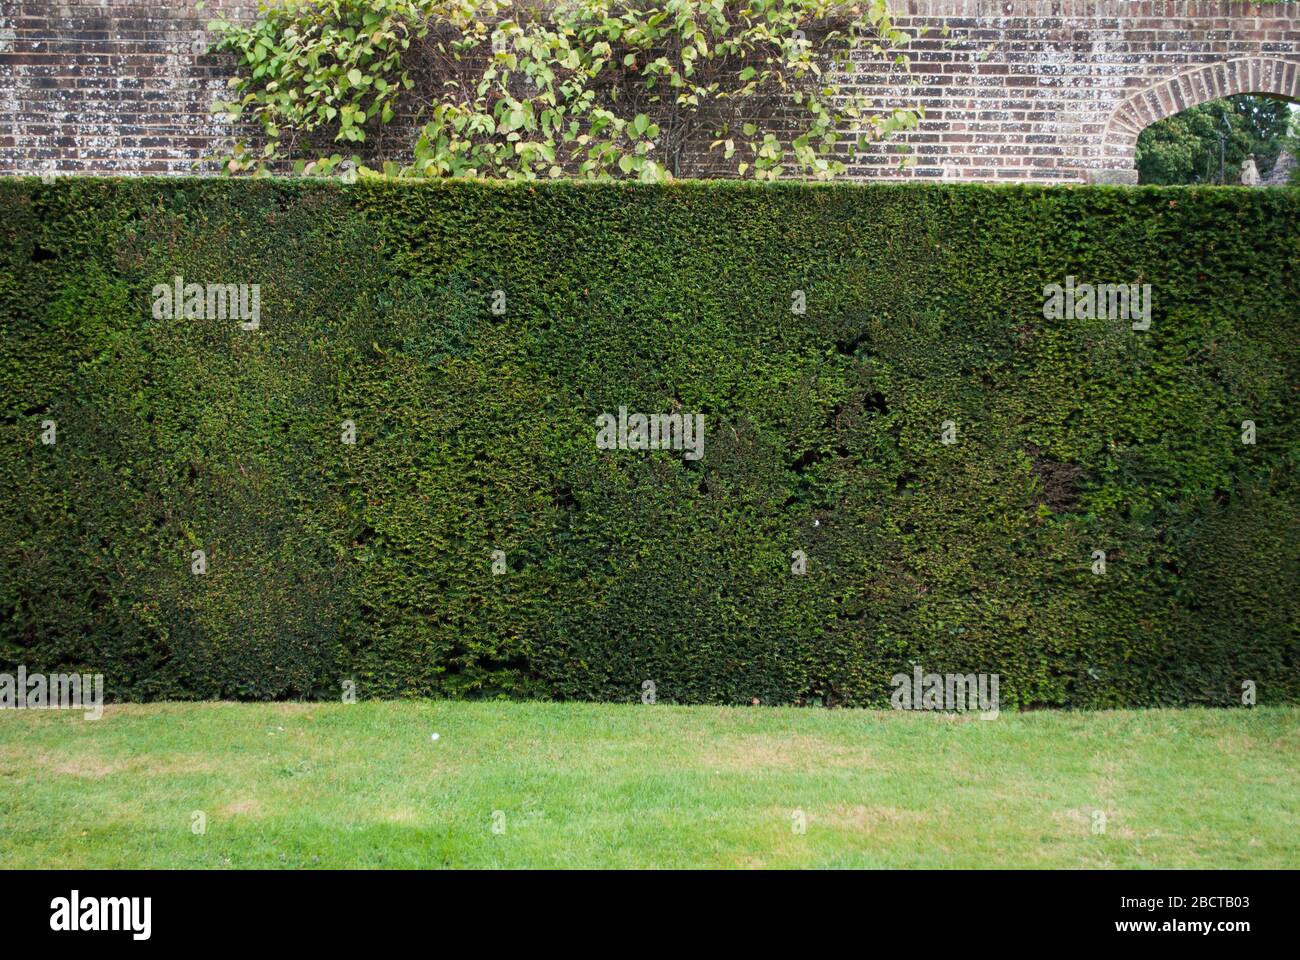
1023,90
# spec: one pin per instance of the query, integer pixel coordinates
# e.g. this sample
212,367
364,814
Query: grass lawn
365,785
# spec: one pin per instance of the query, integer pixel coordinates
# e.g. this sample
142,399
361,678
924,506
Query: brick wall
107,86
1058,90
1030,90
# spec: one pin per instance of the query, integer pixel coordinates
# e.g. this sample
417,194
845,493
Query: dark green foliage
475,433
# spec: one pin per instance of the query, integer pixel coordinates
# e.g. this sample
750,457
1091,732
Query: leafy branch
596,89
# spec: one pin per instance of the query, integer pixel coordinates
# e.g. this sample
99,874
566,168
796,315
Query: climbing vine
595,89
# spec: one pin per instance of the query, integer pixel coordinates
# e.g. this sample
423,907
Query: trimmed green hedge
475,432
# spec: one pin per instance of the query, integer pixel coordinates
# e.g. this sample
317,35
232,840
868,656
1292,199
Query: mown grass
590,785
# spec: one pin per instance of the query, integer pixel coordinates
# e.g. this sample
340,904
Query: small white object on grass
435,736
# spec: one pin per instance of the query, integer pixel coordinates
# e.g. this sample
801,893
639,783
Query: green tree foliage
597,89
1291,144
1186,148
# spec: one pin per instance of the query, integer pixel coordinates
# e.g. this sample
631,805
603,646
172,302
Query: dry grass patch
783,752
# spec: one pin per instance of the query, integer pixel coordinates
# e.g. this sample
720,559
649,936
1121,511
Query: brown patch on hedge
1059,481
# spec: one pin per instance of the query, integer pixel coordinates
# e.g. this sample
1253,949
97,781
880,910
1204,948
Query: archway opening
1245,138
1263,78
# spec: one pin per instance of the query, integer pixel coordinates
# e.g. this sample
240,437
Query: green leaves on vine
595,89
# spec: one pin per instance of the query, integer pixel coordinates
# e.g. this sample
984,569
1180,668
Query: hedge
373,562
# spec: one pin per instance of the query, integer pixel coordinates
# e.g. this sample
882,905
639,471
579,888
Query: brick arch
1212,81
